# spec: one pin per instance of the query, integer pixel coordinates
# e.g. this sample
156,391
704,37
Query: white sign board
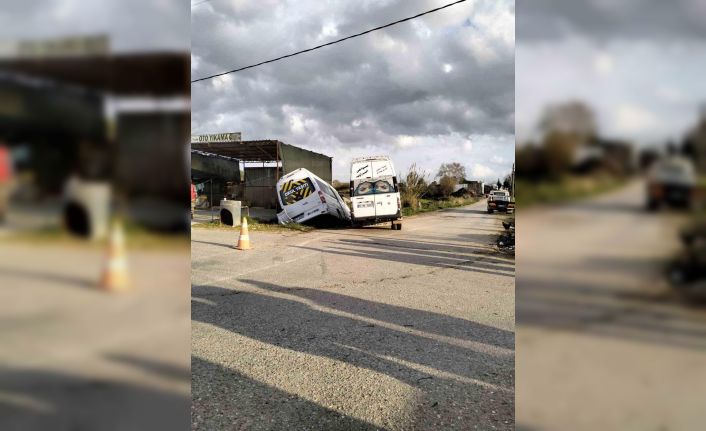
215,137
73,46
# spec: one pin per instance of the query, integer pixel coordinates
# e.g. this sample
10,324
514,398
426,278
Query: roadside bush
559,152
415,185
446,185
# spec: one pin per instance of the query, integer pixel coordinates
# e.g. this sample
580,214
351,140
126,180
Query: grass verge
567,189
429,205
136,237
256,226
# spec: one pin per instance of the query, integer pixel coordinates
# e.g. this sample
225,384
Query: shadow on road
428,258
328,325
218,244
39,275
241,395
609,310
610,207
153,367
427,249
425,321
39,400
465,211
434,251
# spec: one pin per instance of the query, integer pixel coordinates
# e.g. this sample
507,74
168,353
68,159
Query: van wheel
399,226
490,211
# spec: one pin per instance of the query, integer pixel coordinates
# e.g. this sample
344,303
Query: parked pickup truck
673,182
499,200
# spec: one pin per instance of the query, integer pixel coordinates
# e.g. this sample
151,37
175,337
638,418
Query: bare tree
453,169
571,118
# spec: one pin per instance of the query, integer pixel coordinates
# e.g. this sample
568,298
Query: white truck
500,200
375,195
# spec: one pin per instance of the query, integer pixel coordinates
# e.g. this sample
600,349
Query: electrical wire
328,44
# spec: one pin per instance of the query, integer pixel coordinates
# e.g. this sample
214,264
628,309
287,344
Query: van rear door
385,197
363,199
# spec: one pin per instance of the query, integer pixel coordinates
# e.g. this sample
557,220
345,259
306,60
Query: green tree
507,182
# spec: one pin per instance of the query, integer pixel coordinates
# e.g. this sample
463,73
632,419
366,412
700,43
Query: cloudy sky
639,63
438,89
133,25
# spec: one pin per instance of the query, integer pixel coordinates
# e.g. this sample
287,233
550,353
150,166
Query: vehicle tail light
399,205
321,196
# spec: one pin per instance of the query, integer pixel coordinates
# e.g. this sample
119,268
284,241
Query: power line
329,43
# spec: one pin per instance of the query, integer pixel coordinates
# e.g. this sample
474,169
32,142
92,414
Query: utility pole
513,181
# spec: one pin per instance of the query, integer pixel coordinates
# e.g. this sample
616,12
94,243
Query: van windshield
374,187
295,190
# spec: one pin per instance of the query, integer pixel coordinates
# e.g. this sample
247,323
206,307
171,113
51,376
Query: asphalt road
73,357
355,328
601,342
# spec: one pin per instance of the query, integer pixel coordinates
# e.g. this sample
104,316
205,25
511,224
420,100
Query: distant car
499,200
671,182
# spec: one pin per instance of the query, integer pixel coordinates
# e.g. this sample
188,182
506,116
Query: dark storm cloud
450,74
608,19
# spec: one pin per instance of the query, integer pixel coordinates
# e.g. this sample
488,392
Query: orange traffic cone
243,238
115,276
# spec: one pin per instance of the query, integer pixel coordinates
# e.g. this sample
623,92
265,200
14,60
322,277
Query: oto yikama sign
216,137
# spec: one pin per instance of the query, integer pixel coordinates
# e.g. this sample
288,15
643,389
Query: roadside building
75,113
263,163
475,187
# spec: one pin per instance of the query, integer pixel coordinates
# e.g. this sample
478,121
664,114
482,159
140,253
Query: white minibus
303,196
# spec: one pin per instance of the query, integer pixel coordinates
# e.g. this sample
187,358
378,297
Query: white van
375,195
303,196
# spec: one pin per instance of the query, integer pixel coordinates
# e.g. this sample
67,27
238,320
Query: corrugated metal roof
247,151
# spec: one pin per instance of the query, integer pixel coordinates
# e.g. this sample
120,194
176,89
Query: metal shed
276,159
